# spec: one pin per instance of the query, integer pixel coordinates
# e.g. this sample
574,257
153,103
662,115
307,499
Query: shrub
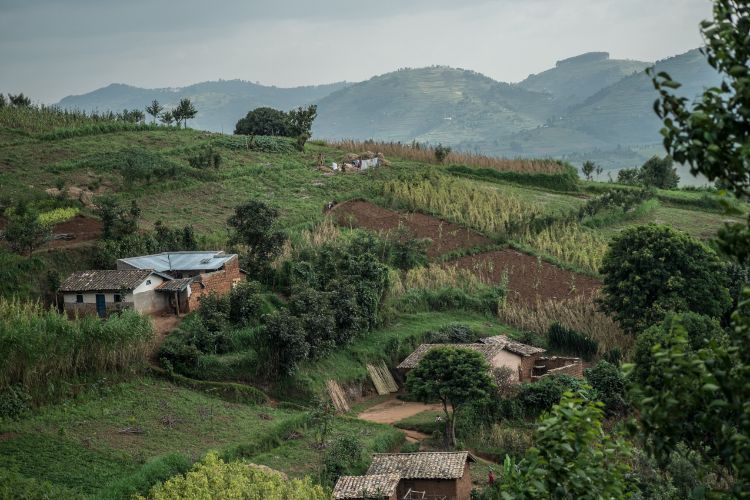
245,304
455,333
214,478
14,402
608,384
282,343
570,342
537,397
206,157
343,457
442,152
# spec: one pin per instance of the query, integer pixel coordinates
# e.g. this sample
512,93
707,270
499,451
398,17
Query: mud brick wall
220,282
527,365
574,369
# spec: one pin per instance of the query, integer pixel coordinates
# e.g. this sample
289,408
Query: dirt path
393,410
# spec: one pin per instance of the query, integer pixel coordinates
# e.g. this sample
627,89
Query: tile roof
511,345
488,350
180,261
175,285
421,465
105,279
351,487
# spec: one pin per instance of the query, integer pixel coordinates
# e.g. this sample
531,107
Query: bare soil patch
446,237
81,227
529,279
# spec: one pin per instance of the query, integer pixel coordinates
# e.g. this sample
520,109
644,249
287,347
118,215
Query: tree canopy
653,269
453,376
265,121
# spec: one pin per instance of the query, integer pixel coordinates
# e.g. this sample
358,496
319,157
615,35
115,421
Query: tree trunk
453,427
447,432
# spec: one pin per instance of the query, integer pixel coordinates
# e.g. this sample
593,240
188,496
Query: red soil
446,237
84,229
529,279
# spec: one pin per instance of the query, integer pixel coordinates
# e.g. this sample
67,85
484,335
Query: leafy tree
23,231
19,100
265,121
599,170
212,478
572,457
629,176
301,120
651,270
167,118
245,303
588,168
254,226
442,152
453,376
659,173
186,111
342,457
282,343
3,101
705,403
608,384
154,109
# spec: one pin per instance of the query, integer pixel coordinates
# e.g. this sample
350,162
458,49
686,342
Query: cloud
51,48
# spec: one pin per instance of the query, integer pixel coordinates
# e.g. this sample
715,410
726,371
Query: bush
455,333
245,304
537,397
570,342
14,402
343,457
282,343
608,384
214,478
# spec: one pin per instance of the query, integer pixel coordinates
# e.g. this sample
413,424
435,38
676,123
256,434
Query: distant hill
622,113
435,104
574,79
220,104
588,107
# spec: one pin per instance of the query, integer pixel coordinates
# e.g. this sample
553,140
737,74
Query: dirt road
393,410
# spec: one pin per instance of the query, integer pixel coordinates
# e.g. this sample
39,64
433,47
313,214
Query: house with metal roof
101,292
180,264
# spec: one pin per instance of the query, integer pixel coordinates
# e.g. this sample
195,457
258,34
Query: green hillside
220,103
574,79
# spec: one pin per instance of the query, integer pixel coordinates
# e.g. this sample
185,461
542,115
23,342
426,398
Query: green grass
425,422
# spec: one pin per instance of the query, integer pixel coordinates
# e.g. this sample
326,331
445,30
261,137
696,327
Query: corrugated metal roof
181,261
375,485
104,280
175,285
421,465
489,351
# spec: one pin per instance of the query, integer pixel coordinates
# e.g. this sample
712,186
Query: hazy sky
52,48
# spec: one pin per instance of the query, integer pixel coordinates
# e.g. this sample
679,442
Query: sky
53,48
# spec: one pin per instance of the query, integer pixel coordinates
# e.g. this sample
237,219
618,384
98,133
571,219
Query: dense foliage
254,226
567,341
651,270
213,478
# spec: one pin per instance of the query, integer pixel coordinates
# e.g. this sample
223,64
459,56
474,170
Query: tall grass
579,313
460,201
426,154
435,277
569,242
40,348
37,119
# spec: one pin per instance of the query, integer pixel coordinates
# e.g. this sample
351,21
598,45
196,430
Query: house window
79,298
118,297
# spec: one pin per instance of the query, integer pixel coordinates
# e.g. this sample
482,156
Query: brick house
193,274
427,475
526,362
101,292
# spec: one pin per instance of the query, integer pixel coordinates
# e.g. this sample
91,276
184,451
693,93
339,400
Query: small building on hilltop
101,292
194,274
373,487
428,475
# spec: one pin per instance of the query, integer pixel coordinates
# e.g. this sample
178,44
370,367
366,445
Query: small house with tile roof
428,475
373,487
499,351
101,292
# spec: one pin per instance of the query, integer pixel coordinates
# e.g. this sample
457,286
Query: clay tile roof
106,279
351,487
511,345
488,350
422,465
174,285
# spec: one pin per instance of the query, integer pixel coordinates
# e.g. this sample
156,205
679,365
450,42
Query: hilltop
221,102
